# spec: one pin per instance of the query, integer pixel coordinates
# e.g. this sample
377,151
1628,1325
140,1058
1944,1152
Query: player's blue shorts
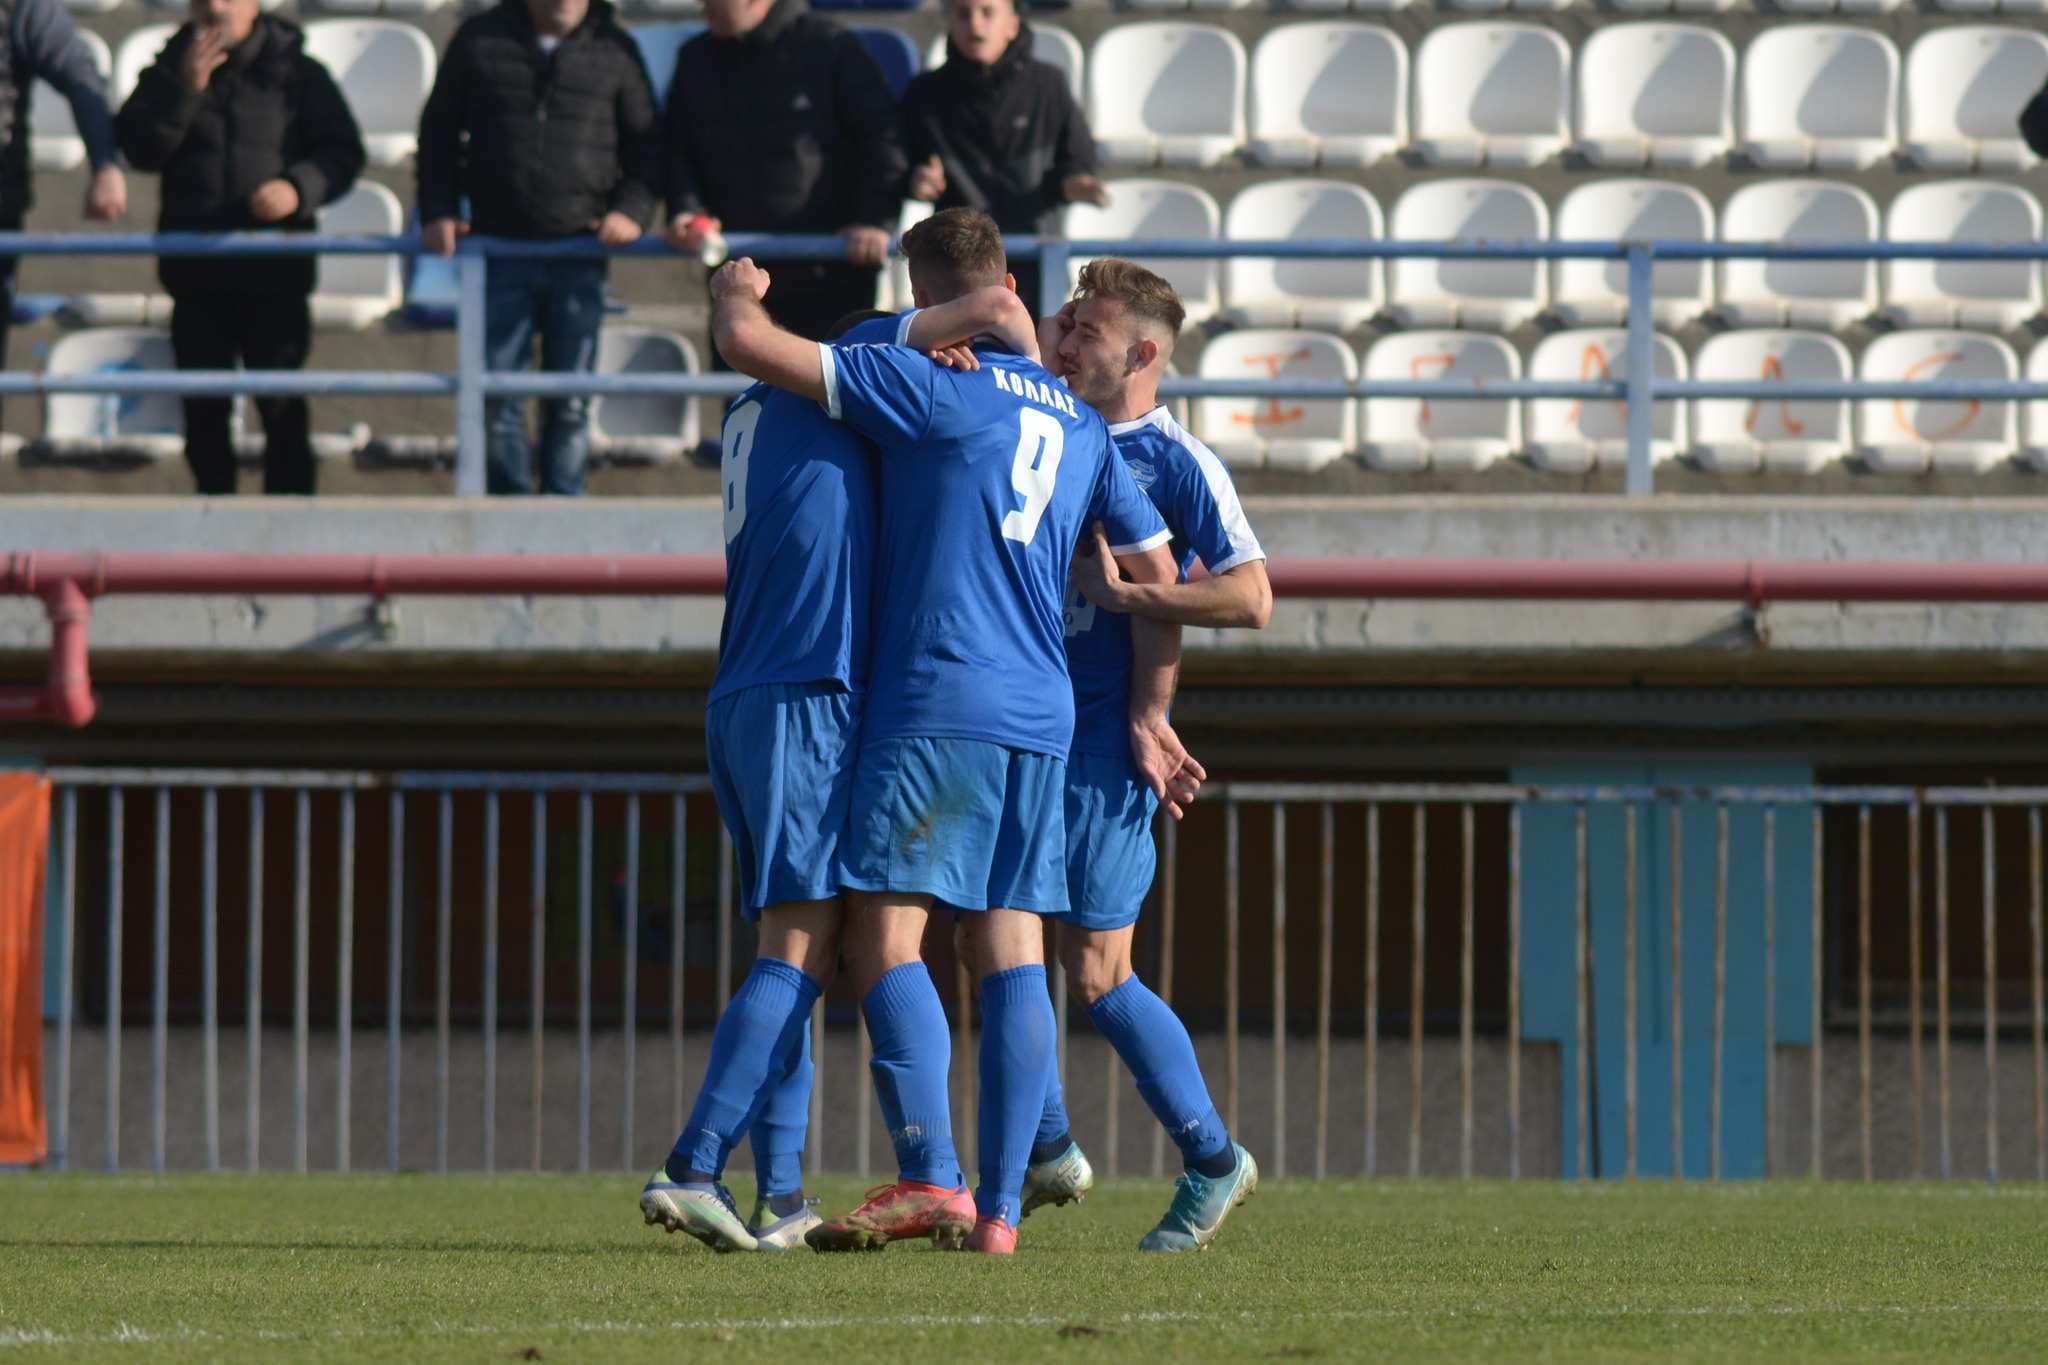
782,767
1110,854
973,824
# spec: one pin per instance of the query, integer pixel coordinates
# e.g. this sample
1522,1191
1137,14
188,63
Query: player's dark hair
956,251
853,320
1143,294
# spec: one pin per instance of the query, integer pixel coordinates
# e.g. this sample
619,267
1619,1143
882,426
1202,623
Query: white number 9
1040,442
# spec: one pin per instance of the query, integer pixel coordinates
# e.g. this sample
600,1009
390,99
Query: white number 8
1040,442
732,464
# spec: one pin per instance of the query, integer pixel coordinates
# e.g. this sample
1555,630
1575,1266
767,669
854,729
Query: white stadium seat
119,426
1188,4
1340,6
1841,6
1169,94
1571,435
1951,436
1278,433
1491,93
1139,209
658,45
1997,295
54,143
643,428
385,69
1054,46
1820,95
1328,94
1588,292
1666,6
1495,295
355,291
1408,434
1965,88
2034,442
133,57
1655,94
1335,295
1824,295
1779,435
1524,6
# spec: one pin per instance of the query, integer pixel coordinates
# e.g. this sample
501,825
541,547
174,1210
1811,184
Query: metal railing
473,381
1491,936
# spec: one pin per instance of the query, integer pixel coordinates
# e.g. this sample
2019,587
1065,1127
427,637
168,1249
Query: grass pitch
562,1269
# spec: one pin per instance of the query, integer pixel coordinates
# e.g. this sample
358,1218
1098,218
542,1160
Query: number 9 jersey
988,480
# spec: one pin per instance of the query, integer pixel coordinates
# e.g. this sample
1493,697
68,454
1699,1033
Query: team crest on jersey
1143,472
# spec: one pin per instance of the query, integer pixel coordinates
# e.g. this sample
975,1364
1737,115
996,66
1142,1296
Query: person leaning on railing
248,132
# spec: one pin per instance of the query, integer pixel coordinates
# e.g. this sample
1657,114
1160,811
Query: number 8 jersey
988,479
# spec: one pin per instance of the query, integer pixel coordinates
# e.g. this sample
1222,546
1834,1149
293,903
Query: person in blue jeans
542,117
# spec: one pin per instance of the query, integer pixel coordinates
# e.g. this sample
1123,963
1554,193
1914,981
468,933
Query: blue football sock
913,1051
777,1134
1055,1132
765,1024
1016,1053
1155,1045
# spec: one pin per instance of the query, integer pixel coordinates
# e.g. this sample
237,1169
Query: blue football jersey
987,480
1193,491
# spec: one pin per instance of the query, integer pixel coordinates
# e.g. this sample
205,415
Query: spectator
780,121
997,130
248,132
43,43
543,119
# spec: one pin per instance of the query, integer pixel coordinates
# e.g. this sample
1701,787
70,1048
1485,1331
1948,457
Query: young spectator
248,133
996,130
543,118
780,121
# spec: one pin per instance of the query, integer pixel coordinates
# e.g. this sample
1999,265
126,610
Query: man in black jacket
993,129
543,118
780,121
249,132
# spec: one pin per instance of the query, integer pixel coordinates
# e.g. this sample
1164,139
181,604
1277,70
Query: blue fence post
1642,368
470,364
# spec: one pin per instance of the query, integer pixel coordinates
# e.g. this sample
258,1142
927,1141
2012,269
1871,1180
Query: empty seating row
1501,294
1908,436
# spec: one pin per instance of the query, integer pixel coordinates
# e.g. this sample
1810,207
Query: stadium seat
1054,46
1334,295
53,140
1160,5
1277,433
1824,295
636,428
1412,434
892,290
2034,442
1523,6
385,69
1667,6
1591,292
1340,6
658,45
112,426
1655,94
1791,436
133,57
894,53
354,291
1996,295
1965,88
1950,436
1491,93
1819,95
1495,295
1841,6
1328,94
1156,208
1166,93
1571,436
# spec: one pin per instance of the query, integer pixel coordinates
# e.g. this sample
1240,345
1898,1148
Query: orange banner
24,853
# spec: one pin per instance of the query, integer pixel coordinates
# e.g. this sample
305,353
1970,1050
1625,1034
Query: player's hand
865,245
928,182
1085,189
1052,330
439,235
741,277
106,194
1095,572
1164,763
615,230
207,53
274,201
958,356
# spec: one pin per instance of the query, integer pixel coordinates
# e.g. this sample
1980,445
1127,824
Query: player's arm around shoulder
751,342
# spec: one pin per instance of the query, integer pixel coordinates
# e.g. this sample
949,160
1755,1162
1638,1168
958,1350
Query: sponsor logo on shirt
1143,472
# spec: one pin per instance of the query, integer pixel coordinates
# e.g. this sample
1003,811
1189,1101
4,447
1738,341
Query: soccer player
781,731
987,478
1111,344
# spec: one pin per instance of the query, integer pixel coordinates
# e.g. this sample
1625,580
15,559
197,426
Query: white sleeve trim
831,369
1150,542
1250,556
903,322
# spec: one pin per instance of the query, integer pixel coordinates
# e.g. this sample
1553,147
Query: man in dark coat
249,133
543,118
996,130
780,121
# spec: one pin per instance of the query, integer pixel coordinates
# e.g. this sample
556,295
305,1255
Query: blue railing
473,381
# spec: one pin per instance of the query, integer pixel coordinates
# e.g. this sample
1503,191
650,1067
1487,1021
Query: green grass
474,1269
